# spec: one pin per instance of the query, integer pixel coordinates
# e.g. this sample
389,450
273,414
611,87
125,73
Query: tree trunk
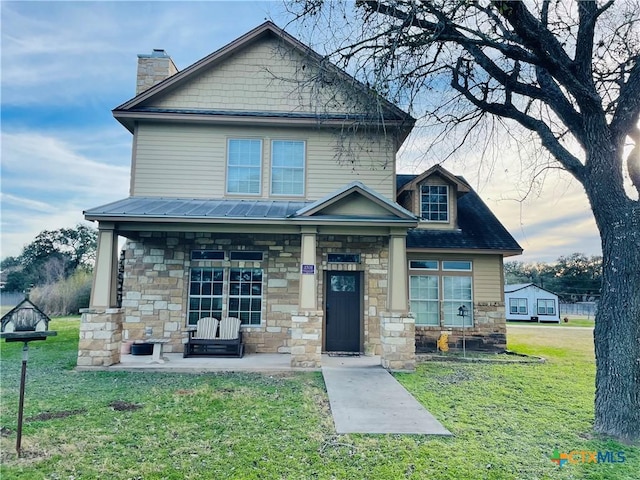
617,329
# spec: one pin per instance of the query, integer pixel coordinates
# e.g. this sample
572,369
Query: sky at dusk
66,65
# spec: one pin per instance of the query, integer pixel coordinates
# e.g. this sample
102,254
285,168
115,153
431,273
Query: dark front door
343,312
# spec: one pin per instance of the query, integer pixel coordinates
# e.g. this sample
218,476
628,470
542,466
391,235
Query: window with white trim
287,167
244,165
456,292
435,298
245,295
456,265
518,306
205,293
423,264
434,203
546,307
423,299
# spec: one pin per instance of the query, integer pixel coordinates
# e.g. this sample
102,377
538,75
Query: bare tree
566,73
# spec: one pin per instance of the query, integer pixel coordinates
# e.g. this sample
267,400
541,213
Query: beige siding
356,204
265,76
188,160
487,278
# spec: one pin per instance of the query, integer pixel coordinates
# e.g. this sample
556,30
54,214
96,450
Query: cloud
48,181
61,53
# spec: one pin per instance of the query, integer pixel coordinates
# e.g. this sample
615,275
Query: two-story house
263,187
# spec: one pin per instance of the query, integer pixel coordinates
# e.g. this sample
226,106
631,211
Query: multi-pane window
456,292
436,297
244,161
423,298
245,295
287,167
205,293
518,306
222,291
434,203
546,307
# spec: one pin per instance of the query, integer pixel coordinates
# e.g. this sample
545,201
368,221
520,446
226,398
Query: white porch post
397,293
104,291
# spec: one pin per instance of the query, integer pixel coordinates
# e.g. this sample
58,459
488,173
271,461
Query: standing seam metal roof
196,208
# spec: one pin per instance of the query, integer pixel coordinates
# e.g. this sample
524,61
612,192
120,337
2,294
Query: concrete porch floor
253,362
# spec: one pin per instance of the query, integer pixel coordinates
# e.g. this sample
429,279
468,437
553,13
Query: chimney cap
156,53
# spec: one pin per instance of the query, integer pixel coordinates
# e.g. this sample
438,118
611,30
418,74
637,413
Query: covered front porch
290,277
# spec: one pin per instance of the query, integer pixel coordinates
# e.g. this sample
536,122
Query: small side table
157,349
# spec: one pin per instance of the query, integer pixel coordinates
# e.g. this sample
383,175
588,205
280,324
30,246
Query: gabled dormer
433,197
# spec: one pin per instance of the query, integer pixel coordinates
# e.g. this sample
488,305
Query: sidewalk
365,398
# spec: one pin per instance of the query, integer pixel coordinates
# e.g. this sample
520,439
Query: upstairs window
434,203
244,166
287,167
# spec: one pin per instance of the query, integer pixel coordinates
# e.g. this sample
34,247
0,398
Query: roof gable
516,287
356,199
267,70
479,230
410,183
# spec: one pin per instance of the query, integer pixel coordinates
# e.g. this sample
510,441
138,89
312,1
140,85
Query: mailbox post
25,323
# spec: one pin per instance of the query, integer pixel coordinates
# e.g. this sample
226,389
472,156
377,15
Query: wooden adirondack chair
215,338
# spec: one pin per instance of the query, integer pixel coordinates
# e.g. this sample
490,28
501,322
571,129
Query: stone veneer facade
489,331
156,283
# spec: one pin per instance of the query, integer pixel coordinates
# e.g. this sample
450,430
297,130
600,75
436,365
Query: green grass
506,420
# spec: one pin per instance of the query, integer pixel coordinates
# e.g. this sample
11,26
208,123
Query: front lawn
506,420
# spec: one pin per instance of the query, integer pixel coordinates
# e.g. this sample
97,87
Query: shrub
66,296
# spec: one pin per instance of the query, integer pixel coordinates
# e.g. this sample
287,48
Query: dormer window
434,203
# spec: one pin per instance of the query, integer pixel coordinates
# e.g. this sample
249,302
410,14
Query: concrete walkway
365,398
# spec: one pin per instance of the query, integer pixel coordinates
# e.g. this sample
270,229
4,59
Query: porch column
104,291
397,326
397,292
306,323
308,281
101,323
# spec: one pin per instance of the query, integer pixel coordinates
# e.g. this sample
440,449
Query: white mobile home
530,303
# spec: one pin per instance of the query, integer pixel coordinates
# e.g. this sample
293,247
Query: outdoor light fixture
462,312
25,323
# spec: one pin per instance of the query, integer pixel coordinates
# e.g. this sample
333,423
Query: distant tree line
56,268
575,278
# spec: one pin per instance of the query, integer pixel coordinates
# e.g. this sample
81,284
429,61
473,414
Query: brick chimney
153,68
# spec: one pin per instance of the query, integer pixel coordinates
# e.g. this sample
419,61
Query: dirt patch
51,415
185,392
120,406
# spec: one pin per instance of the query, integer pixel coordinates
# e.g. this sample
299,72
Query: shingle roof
402,179
479,229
